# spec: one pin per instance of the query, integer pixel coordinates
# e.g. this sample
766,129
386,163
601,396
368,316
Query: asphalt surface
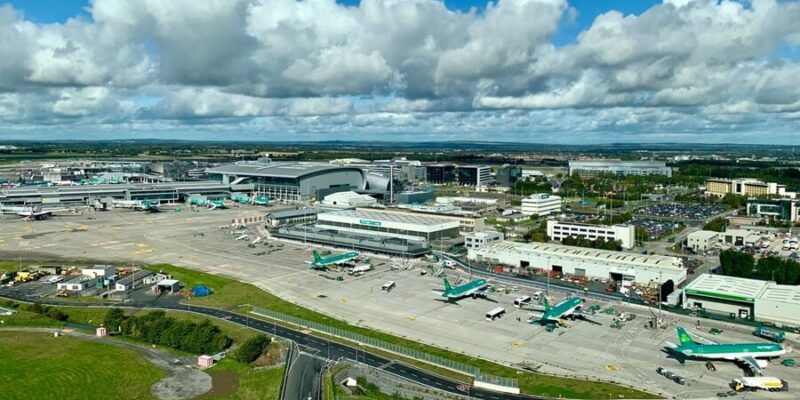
304,377
320,347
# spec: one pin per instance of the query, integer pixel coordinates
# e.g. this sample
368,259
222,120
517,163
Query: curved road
319,346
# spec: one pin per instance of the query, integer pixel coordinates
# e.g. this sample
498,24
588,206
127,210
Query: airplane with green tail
750,355
475,288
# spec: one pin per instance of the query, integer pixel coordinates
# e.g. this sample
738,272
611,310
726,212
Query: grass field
232,294
39,366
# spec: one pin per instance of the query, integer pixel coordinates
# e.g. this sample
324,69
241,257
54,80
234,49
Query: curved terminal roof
277,169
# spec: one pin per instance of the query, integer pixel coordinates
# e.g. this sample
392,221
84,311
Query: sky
536,71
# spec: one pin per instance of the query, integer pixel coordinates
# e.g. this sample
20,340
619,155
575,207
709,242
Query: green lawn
39,366
229,293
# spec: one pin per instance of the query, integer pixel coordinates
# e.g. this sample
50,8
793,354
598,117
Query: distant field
39,366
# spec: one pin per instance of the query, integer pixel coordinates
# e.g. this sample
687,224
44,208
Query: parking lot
681,211
198,240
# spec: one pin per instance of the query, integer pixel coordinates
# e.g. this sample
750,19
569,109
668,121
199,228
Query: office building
508,175
476,240
700,241
440,174
781,209
619,168
746,187
625,234
541,204
474,175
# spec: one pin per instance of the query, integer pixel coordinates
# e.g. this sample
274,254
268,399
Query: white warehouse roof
410,221
704,235
727,287
617,257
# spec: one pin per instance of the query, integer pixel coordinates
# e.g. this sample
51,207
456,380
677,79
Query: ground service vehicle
495,313
522,301
387,287
771,334
754,383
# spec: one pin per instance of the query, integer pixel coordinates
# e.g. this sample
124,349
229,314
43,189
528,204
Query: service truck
771,334
754,383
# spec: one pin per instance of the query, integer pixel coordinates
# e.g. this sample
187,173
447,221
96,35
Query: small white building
99,271
77,284
348,200
513,218
702,240
133,280
541,204
739,237
477,240
625,234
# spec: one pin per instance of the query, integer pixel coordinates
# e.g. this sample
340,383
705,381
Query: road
321,347
304,377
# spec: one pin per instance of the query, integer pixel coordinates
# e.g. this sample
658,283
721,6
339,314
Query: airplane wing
751,364
705,340
588,317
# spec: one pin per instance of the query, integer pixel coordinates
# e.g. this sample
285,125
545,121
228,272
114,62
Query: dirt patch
274,355
223,383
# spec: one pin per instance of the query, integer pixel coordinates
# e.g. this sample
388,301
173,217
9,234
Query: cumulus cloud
681,67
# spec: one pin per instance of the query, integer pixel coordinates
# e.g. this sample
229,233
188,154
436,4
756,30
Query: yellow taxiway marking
611,367
411,317
517,345
343,300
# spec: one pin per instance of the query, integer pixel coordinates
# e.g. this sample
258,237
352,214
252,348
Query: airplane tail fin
447,286
316,255
546,304
684,337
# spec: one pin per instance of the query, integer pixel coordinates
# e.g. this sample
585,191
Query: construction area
622,348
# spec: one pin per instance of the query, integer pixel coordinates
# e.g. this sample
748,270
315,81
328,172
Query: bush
113,320
157,328
250,350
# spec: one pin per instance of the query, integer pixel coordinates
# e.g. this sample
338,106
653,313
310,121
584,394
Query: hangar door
580,272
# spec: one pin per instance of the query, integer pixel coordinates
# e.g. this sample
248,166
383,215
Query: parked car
679,380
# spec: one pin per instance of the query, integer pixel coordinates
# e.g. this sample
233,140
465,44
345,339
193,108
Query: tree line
743,265
598,243
158,328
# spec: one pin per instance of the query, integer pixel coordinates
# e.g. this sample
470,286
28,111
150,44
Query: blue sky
56,11
690,70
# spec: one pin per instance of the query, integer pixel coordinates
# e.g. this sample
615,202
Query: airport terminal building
579,261
619,168
291,181
412,226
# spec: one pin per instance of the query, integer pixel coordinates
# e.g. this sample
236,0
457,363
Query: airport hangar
591,263
298,181
377,231
170,192
745,298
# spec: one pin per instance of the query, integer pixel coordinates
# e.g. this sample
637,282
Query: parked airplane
360,269
747,354
323,262
567,308
138,205
37,213
472,288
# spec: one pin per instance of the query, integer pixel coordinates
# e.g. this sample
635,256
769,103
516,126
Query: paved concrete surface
194,239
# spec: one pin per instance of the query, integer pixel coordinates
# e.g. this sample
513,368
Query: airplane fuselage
733,351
